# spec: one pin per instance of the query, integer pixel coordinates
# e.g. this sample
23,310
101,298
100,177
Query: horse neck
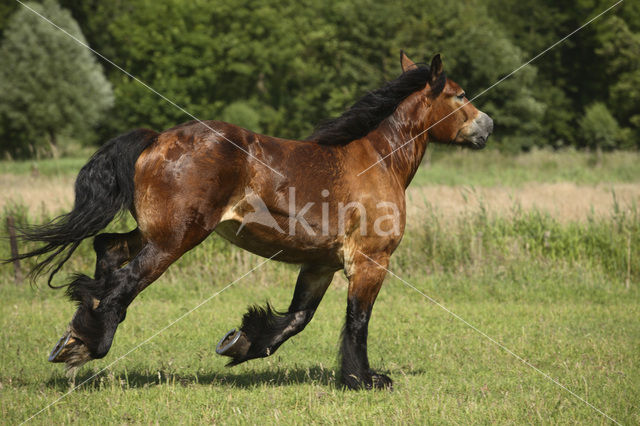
404,134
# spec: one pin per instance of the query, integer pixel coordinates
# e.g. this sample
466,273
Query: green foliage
53,87
597,64
620,49
599,128
477,53
281,66
297,63
243,115
6,10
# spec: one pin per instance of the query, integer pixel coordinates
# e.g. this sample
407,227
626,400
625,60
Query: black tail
103,188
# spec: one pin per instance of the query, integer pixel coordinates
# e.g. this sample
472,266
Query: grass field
561,291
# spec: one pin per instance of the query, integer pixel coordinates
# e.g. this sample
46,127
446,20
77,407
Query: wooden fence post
13,242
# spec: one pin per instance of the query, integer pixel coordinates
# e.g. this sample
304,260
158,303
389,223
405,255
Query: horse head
450,116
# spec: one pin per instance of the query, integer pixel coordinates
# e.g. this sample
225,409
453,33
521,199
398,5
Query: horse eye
461,96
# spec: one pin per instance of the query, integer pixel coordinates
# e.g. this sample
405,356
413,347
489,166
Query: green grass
451,166
443,370
566,303
48,167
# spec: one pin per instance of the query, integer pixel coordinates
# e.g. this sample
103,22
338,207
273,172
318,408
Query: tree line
281,66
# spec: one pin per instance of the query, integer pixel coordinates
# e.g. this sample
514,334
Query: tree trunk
53,143
598,156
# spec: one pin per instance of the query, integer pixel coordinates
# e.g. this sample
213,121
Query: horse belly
266,242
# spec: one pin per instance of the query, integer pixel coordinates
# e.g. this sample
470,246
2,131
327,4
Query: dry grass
50,194
564,201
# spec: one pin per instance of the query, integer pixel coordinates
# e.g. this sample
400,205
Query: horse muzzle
477,133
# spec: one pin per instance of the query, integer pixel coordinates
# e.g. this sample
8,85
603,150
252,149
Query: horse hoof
369,381
381,381
56,353
234,344
70,350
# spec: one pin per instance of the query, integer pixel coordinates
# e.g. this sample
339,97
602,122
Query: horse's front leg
365,280
263,330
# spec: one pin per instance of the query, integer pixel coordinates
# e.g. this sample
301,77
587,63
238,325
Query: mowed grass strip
443,370
442,165
446,165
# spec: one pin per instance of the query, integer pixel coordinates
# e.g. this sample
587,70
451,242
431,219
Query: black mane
367,113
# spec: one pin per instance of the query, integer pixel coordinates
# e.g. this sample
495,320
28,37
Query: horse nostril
489,125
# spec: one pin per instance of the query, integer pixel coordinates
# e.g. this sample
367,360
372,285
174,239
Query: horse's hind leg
94,324
113,250
263,330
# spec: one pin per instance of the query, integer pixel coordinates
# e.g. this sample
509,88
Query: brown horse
303,202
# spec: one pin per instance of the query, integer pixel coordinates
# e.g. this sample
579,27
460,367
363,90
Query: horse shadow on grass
246,379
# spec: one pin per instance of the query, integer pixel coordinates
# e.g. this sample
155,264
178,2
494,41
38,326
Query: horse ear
436,68
406,63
